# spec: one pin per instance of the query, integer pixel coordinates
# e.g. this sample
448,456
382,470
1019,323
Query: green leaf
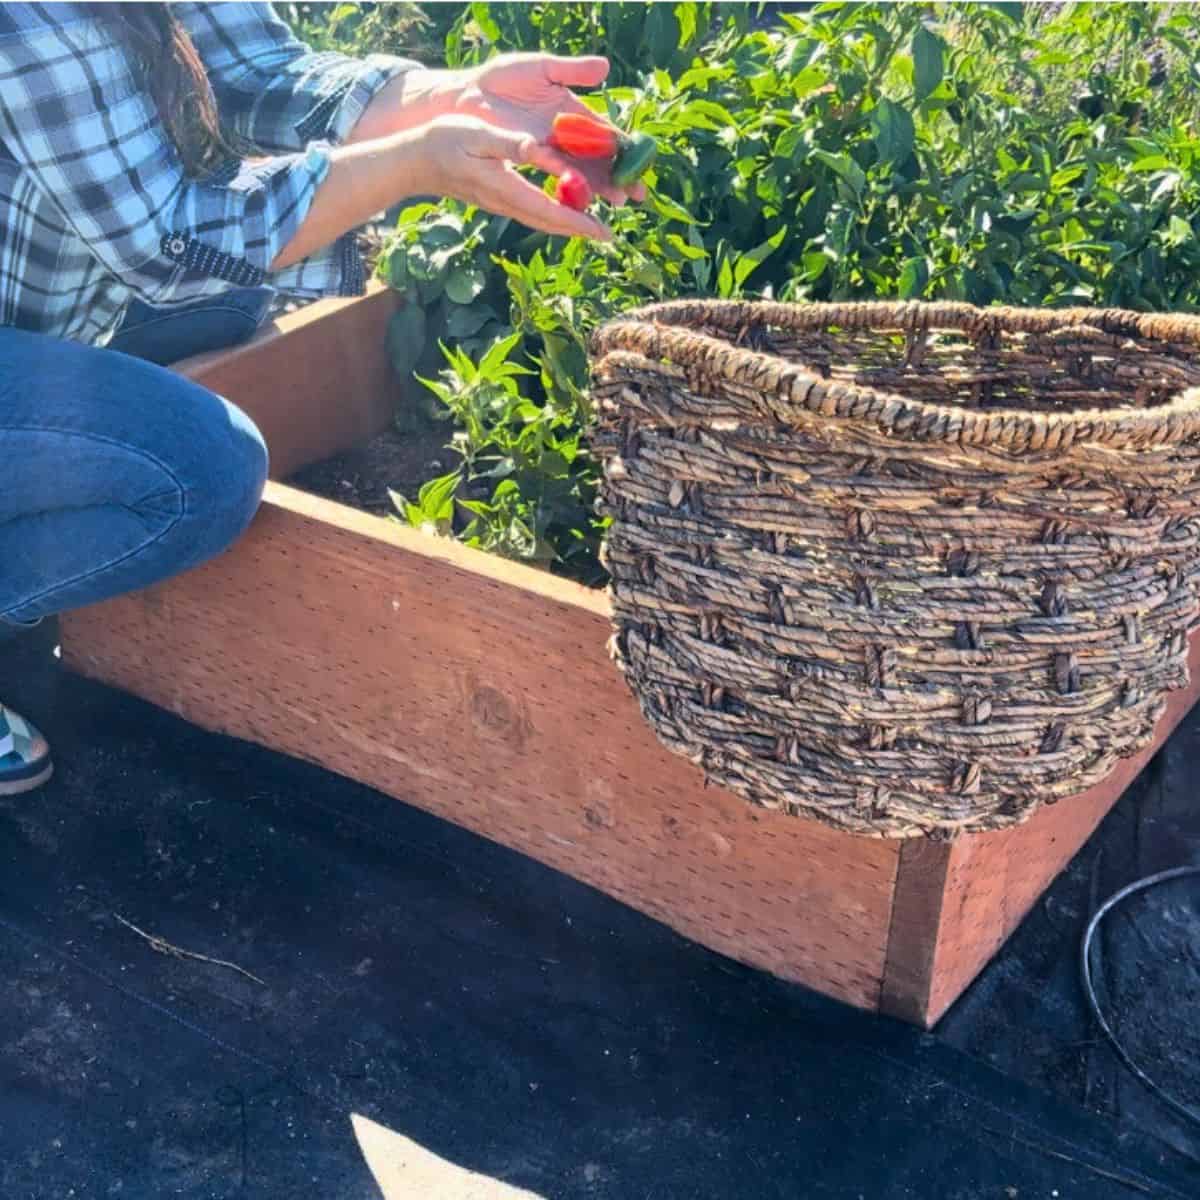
715,112
684,249
894,132
406,338
808,81
1067,175
914,278
685,15
395,268
463,321
1178,230
815,264
752,259
444,233
693,78
928,61
1152,162
496,358
725,279
844,167
1142,146
501,469
414,213
1012,10
660,31
790,140
486,23
649,275
465,283
404,508
436,498
669,210
479,507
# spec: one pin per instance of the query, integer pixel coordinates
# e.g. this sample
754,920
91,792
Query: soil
396,461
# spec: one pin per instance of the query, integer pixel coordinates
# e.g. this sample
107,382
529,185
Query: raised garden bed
482,691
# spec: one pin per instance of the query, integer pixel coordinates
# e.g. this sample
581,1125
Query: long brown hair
175,77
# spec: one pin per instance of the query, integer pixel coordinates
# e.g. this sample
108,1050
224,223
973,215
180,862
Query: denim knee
115,474
223,502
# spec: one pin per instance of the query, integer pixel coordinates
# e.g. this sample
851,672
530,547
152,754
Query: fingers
599,175
529,152
507,145
571,103
512,196
585,72
525,150
500,190
487,178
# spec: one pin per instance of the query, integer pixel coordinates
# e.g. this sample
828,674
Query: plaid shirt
95,208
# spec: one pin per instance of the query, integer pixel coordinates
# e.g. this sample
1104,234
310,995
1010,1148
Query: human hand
523,93
475,161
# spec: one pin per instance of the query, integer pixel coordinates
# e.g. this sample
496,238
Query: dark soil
397,461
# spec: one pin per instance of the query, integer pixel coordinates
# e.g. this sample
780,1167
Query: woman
162,169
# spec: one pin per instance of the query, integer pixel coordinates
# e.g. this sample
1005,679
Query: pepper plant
1034,154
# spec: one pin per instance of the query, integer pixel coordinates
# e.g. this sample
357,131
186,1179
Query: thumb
525,150
584,72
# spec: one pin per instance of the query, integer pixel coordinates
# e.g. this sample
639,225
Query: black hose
1089,988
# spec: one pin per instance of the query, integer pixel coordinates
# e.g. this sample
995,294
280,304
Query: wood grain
994,880
482,691
989,882
912,937
316,382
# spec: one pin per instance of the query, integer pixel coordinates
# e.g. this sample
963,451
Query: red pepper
582,136
573,190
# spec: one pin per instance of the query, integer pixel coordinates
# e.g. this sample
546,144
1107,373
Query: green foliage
410,30
635,36
994,153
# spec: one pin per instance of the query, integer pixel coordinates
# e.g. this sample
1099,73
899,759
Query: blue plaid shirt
95,208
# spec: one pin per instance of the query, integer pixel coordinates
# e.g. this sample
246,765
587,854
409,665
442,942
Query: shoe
24,755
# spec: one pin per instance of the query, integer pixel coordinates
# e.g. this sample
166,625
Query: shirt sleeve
73,116
271,87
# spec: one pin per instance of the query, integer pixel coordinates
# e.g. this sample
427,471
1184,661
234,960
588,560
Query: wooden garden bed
482,691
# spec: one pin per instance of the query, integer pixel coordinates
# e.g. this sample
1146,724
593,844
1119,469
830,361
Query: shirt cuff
334,115
337,270
272,201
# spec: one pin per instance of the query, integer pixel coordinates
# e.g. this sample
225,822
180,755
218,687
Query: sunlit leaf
894,133
928,66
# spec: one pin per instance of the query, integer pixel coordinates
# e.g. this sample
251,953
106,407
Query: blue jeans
114,472
166,335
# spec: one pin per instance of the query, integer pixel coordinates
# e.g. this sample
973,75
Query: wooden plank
912,937
989,882
482,691
316,382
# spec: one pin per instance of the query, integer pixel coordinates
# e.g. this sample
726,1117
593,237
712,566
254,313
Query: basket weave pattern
904,568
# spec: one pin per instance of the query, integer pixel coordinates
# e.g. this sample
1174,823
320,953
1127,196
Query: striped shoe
24,755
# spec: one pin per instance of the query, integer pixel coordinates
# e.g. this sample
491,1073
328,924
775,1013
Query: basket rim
660,331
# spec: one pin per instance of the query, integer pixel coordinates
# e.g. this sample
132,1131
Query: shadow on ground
499,1015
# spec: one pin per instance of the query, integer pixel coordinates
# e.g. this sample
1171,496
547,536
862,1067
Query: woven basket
904,568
